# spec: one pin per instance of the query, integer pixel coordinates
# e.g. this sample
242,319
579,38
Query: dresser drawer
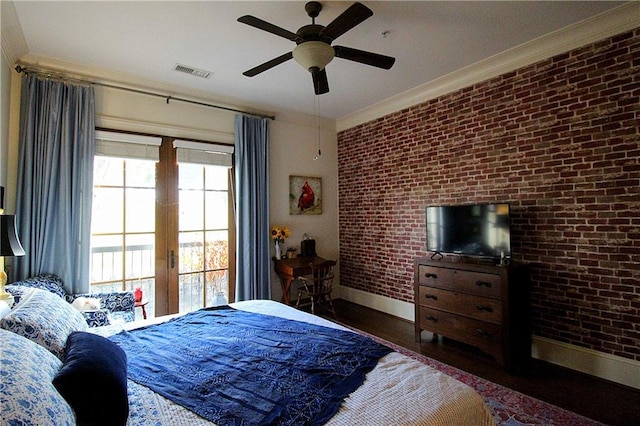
472,282
483,335
481,308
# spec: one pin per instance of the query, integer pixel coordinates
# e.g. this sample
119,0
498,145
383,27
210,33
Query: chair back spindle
317,287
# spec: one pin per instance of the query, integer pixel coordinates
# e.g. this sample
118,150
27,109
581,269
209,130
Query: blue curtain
55,179
252,208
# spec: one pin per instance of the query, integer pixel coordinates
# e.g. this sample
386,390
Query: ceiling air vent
191,70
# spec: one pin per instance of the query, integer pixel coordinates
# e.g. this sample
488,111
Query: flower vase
278,252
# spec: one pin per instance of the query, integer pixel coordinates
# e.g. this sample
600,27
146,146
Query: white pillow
86,304
44,318
27,395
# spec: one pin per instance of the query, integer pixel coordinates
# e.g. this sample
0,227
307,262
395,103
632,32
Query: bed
398,390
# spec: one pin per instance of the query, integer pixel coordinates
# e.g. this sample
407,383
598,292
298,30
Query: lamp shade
313,54
9,242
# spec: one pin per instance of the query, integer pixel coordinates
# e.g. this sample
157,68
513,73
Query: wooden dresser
482,305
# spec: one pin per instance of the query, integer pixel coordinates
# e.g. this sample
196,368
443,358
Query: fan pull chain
316,105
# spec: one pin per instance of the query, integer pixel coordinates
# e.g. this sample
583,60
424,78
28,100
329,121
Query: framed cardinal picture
305,195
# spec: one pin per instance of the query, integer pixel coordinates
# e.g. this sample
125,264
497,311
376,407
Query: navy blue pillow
93,380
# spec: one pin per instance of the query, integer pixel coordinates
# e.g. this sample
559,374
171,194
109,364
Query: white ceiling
145,39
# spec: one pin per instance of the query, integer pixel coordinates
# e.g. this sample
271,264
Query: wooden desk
289,269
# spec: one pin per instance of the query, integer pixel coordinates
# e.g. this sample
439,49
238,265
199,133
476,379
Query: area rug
509,407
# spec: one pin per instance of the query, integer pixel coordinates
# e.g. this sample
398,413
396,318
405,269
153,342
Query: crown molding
615,21
13,43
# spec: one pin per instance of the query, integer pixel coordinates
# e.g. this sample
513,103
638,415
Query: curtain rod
168,98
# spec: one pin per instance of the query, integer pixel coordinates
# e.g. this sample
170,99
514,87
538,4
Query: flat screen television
481,230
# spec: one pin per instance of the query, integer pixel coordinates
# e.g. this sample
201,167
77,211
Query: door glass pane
191,209
190,176
107,172
108,210
106,258
191,292
216,203
140,211
123,226
140,174
203,236
191,253
217,253
216,178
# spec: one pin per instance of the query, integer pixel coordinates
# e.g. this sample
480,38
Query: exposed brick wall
560,141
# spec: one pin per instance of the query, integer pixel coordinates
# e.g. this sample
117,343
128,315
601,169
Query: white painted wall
5,94
294,143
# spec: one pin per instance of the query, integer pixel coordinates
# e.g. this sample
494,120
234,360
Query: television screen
476,230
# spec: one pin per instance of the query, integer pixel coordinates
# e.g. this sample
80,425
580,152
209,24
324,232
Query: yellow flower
280,233
275,232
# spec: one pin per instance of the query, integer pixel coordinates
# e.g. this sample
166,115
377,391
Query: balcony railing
111,271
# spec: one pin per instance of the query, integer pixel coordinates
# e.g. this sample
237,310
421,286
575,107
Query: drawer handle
431,296
484,308
431,275
483,283
483,332
431,318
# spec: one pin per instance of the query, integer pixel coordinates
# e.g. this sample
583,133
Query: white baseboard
605,366
598,364
384,304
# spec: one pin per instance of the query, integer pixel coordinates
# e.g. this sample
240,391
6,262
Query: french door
164,224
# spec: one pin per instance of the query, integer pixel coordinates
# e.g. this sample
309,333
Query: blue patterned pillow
46,319
49,282
27,396
16,291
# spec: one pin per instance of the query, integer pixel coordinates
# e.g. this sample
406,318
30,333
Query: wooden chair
317,287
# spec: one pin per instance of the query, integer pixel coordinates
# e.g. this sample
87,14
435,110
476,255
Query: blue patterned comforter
240,368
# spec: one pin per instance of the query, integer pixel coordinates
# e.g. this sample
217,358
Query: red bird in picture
307,197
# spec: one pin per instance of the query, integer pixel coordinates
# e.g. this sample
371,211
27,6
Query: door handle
172,259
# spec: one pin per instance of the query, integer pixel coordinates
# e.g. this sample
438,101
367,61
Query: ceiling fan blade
320,82
268,27
363,57
269,64
351,17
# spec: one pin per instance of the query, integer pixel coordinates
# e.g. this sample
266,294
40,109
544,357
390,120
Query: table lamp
9,246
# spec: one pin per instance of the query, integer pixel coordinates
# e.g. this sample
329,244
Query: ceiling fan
314,50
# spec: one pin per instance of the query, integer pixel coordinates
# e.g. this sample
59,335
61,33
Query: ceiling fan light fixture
313,54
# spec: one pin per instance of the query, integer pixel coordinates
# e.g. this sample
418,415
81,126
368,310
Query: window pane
141,173
191,210
191,292
191,252
139,255
217,210
217,282
216,178
106,258
107,210
217,256
107,172
190,176
148,287
123,225
140,210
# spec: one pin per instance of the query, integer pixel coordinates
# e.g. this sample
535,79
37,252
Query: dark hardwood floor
595,398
